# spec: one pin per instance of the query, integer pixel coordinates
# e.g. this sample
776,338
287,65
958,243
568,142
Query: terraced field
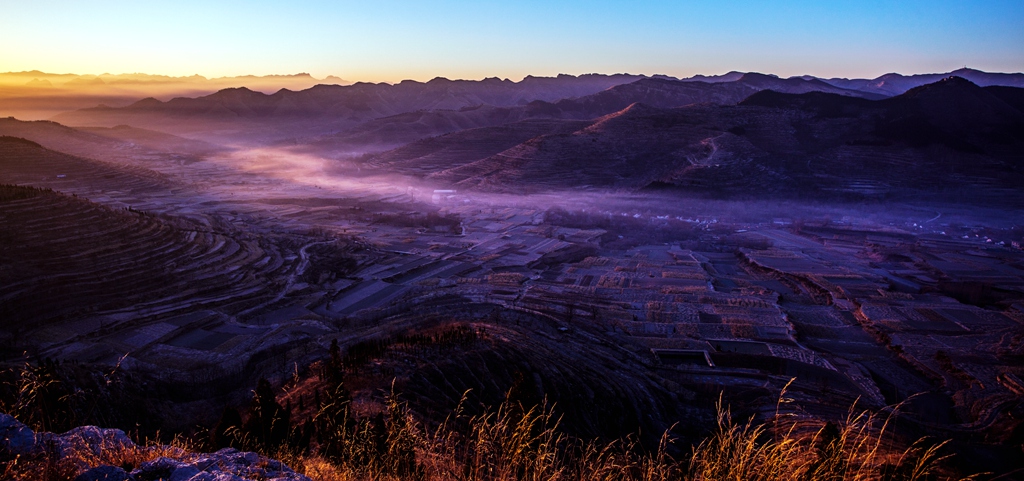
63,258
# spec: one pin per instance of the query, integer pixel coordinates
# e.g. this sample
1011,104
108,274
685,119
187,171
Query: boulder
104,473
90,442
225,465
89,439
16,439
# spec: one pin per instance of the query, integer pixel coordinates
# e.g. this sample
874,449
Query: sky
392,40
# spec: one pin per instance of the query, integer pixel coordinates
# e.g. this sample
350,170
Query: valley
632,264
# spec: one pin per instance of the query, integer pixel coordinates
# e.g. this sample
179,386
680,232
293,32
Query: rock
185,473
90,442
16,439
104,473
224,465
162,469
88,439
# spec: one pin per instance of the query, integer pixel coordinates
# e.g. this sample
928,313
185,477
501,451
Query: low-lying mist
310,176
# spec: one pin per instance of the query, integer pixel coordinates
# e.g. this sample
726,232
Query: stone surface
16,439
87,442
89,439
104,473
224,465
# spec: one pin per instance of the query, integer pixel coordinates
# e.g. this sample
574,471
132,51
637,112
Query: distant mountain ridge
658,92
895,84
36,95
337,110
345,121
256,82
406,96
326,109
364,101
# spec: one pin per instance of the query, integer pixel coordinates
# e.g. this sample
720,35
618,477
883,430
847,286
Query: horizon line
477,79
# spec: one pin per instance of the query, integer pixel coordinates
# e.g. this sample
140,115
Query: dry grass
48,466
511,443
516,443
857,449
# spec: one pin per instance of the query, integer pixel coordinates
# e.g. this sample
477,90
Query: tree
225,433
269,423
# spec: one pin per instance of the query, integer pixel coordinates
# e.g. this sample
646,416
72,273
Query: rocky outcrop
87,448
16,439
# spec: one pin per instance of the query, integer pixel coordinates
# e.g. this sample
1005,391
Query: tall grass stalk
513,442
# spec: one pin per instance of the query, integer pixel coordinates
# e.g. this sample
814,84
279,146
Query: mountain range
366,117
949,136
739,134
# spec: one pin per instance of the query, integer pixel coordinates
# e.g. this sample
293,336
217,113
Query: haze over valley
493,275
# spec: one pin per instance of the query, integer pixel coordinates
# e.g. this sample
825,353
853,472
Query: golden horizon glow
395,40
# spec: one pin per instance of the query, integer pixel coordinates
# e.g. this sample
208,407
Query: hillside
444,152
26,161
75,264
397,130
948,135
122,144
622,150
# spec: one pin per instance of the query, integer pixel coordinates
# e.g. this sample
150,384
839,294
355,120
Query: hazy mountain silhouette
336,107
36,95
894,84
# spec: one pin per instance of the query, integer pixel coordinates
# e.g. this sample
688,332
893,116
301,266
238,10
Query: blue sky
390,40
